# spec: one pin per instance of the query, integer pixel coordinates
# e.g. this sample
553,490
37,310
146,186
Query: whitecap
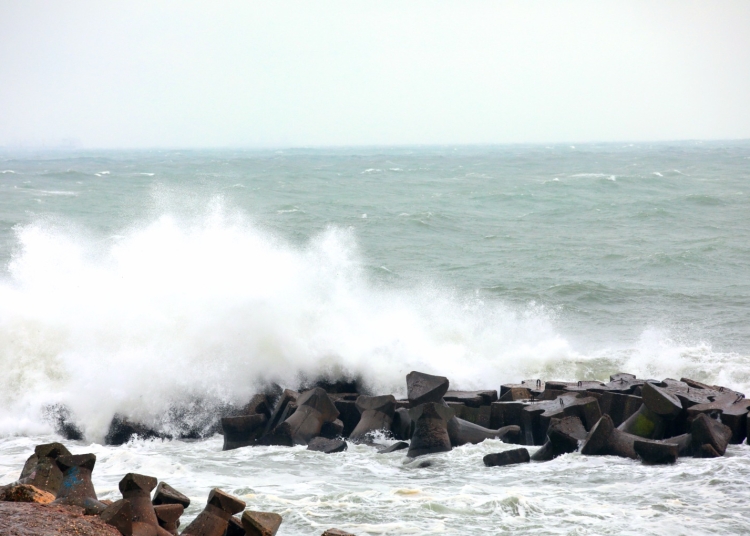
7,171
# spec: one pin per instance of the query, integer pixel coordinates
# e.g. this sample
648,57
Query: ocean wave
173,311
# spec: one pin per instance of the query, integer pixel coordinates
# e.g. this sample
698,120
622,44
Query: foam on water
211,308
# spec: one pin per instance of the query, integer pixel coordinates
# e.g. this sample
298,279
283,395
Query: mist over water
138,283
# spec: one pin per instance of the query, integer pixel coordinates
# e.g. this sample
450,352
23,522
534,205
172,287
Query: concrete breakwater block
508,457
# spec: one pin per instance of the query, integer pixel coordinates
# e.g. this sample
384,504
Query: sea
162,284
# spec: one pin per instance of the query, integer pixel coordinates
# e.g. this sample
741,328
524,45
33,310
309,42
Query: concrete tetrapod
168,516
431,429
376,414
507,457
166,494
120,516
76,488
463,432
604,439
260,523
563,436
214,519
402,426
707,431
422,388
41,470
243,430
136,489
314,408
656,452
660,401
644,423
327,446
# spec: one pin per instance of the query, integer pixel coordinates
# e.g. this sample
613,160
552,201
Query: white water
173,311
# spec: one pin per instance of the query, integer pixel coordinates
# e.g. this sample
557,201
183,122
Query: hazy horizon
340,74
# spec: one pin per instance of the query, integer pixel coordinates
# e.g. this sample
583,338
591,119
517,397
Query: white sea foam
209,308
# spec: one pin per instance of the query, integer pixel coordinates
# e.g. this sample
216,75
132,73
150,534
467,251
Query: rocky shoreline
649,420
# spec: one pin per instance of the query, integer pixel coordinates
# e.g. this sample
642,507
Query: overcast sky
206,74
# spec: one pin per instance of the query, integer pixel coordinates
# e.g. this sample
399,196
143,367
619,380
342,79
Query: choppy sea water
136,282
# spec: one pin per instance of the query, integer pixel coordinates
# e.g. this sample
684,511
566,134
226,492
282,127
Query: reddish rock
25,493
29,519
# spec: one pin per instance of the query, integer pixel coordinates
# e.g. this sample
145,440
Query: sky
330,73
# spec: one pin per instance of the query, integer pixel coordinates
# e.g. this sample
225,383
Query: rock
234,527
328,446
619,406
64,425
605,439
462,432
563,436
402,426
472,399
336,532
136,489
168,516
423,388
76,486
260,523
25,493
507,457
684,444
259,404
516,393
706,430
656,452
120,515
479,416
644,423
31,519
660,401
166,494
507,413
431,429
242,431
332,430
214,519
122,430
377,414
41,469
400,445
526,386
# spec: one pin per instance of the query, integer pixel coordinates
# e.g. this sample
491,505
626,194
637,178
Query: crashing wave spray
212,308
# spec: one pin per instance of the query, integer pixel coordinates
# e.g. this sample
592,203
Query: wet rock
706,430
332,430
462,432
336,532
526,386
122,430
575,387
31,519
25,493
684,444
214,519
41,469
260,523
402,426
507,457
431,429
62,418
644,423
76,486
168,516
259,404
234,527
656,452
516,393
242,431
337,386
563,436
376,414
604,439
400,445
620,383
619,406
166,494
507,413
327,446
120,515
660,401
472,399
422,388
